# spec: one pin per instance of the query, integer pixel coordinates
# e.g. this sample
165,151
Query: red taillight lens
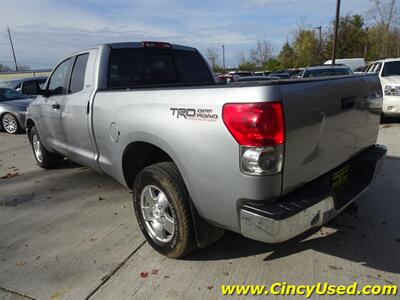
255,124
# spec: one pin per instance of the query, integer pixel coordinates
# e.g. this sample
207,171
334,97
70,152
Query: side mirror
44,93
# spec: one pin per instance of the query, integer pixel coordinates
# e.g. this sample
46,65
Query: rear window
7,94
9,84
78,73
138,67
391,69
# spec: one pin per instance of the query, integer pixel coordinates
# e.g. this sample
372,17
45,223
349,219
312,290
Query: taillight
255,124
259,130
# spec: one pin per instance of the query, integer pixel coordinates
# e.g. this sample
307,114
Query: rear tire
10,124
44,158
162,209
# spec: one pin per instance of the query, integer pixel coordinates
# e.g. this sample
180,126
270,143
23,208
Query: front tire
10,123
44,158
162,209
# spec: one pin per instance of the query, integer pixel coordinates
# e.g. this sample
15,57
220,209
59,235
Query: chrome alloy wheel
158,214
37,148
10,123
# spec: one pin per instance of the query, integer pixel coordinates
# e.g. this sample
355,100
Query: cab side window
58,81
78,73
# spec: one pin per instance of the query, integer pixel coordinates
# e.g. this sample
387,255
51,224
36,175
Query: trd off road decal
200,114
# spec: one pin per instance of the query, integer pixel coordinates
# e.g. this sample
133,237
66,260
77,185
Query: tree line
6,68
374,36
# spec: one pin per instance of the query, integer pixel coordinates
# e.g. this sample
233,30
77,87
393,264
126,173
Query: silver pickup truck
269,160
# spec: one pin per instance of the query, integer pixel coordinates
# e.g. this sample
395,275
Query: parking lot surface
70,233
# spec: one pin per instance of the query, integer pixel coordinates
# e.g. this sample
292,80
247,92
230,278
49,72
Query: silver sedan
13,107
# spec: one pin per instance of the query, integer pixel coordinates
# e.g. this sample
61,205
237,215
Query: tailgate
328,121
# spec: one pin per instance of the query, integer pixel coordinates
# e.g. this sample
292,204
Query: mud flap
206,234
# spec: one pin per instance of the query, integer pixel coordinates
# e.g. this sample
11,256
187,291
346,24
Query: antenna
12,48
223,57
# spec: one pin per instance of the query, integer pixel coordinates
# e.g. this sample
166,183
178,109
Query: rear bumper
312,205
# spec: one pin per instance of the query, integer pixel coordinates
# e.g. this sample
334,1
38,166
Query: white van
389,74
352,63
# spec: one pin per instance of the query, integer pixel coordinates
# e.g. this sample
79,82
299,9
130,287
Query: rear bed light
259,130
150,44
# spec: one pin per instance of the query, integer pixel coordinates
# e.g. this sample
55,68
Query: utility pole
223,57
366,45
335,31
398,44
12,48
320,42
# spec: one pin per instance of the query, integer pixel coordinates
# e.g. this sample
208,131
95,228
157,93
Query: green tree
386,17
244,63
213,58
273,64
4,68
352,38
261,53
287,56
247,66
305,48
23,67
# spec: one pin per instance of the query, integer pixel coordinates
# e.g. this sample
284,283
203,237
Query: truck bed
327,123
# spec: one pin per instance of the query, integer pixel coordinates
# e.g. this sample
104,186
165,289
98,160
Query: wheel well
138,155
29,125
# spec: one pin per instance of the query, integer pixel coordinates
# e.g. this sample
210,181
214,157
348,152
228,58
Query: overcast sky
44,31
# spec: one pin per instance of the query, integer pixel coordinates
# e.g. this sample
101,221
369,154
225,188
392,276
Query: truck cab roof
386,60
149,44
130,45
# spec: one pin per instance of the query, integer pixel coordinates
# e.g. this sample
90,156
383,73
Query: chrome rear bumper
264,224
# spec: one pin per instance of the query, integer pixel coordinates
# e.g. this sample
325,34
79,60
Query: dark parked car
27,86
241,73
262,73
281,74
295,73
13,106
256,78
325,70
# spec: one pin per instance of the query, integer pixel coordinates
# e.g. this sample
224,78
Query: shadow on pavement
368,236
390,120
51,185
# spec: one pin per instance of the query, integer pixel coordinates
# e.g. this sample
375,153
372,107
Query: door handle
56,106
